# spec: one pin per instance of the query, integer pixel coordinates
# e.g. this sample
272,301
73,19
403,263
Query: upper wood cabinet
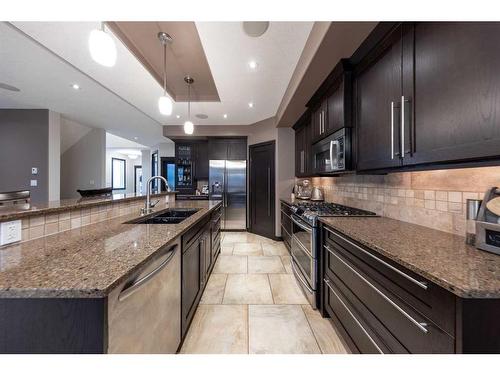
201,165
428,94
227,149
303,151
378,91
331,104
457,91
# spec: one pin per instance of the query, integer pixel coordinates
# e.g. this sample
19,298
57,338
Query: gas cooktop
311,211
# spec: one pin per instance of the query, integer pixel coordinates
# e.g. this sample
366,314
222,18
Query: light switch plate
10,231
34,183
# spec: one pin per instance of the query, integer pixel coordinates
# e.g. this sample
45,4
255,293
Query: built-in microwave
331,155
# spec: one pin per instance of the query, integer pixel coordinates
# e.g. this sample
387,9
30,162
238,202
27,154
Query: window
118,174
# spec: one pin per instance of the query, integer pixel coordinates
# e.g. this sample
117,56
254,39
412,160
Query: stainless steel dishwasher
144,313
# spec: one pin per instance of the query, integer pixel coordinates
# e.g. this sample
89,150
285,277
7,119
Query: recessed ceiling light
255,29
225,115
252,64
250,105
75,86
136,138
201,116
178,116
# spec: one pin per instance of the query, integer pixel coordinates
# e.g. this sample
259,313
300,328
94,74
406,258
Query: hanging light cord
164,69
189,101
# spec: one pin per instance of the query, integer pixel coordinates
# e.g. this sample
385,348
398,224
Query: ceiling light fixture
188,125
102,47
252,64
75,86
225,115
178,116
164,102
250,105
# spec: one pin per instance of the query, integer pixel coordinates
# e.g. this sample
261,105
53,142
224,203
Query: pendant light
188,125
165,104
102,47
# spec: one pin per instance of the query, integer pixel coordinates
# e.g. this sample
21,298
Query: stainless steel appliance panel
236,195
217,183
144,314
330,153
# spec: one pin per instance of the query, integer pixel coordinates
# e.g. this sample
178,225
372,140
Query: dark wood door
378,93
192,278
236,149
202,161
262,189
457,91
300,151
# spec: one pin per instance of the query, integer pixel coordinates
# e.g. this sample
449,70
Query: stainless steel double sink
167,216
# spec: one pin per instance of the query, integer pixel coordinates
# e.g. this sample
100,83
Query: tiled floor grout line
248,329
312,330
270,287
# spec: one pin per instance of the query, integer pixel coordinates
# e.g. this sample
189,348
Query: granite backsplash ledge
435,199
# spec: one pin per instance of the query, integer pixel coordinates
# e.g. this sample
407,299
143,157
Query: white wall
129,170
54,156
83,164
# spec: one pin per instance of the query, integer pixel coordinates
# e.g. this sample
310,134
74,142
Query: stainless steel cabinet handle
308,230
302,161
144,280
420,326
268,191
402,126
302,281
421,284
392,130
327,282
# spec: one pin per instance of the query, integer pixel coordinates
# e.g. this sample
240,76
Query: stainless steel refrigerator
228,182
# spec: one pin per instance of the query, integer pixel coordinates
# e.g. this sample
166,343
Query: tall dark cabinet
303,136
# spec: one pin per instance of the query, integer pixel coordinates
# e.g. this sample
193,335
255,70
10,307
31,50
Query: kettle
316,194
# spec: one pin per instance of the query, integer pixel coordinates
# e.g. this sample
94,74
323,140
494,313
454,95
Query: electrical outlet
10,232
34,183
34,170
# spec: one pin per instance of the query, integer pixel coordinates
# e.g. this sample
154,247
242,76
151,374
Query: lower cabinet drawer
343,313
425,297
287,238
415,332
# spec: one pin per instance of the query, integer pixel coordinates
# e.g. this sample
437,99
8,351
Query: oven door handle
302,281
308,230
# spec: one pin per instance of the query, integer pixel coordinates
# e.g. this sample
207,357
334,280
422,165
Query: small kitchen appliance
317,194
488,222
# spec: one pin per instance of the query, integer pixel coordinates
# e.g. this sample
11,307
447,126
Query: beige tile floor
253,305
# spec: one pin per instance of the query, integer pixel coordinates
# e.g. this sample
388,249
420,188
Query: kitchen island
57,293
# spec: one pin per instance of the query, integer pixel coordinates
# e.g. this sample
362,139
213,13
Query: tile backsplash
434,199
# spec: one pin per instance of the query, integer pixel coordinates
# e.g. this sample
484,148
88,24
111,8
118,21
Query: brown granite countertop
89,261
438,256
22,211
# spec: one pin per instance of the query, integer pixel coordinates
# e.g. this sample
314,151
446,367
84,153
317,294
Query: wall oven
304,257
332,154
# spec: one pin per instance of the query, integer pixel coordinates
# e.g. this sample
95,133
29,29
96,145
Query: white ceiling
43,59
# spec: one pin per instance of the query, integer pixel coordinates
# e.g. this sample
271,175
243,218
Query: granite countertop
21,211
440,257
89,261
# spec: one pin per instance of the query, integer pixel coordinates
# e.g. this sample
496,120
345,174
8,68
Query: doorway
262,189
138,179
168,171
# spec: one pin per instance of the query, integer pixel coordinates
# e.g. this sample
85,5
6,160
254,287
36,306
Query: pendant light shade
165,104
102,47
188,125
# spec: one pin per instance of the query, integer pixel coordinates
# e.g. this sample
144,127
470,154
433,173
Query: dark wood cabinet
377,88
303,149
379,306
201,246
427,95
457,91
227,148
201,162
